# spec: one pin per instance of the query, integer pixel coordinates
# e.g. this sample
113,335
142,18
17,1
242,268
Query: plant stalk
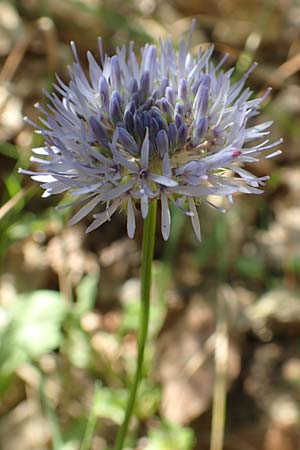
147,257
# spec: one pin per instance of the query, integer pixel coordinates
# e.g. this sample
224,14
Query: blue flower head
161,125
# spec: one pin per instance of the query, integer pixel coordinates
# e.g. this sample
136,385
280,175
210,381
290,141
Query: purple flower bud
129,122
156,114
158,103
139,127
170,95
135,99
155,94
200,130
204,101
182,90
178,120
150,58
164,85
149,103
104,92
145,83
167,109
127,141
162,143
201,101
133,86
153,129
173,135
182,134
178,109
99,131
131,107
115,72
115,108
146,119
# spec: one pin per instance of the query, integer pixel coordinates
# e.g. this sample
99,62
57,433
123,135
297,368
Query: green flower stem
147,257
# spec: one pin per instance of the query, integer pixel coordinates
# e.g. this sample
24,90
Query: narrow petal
130,219
104,92
118,191
162,143
167,166
172,135
195,218
85,210
115,72
144,205
145,83
40,151
182,134
115,108
199,191
165,217
120,159
127,141
160,179
99,131
103,217
41,178
145,151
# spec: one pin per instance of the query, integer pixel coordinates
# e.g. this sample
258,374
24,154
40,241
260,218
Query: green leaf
86,294
12,184
9,150
170,436
31,328
148,400
77,347
111,404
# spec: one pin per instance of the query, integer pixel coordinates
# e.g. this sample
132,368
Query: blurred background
225,315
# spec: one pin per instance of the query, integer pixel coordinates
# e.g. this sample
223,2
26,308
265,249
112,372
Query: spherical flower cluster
165,125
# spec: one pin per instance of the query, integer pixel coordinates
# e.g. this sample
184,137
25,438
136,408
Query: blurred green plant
29,328
170,436
251,267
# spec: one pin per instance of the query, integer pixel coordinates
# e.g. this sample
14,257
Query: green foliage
214,250
29,328
91,420
293,265
110,403
148,400
9,150
170,436
251,267
32,326
77,345
86,294
130,320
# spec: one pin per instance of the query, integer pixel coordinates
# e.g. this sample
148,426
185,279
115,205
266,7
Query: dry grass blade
15,57
286,70
12,202
221,369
